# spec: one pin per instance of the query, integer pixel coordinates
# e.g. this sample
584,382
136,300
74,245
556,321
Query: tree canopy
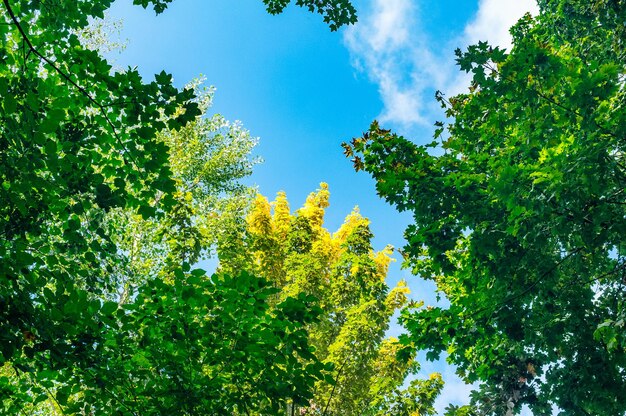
113,188
80,144
298,255
519,215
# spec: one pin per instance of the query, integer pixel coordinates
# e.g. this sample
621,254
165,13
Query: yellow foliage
322,245
297,254
352,221
435,377
259,219
398,296
383,259
281,220
315,205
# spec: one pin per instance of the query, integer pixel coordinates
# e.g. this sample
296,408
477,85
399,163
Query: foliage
102,35
183,344
336,12
79,143
193,347
208,158
520,215
295,253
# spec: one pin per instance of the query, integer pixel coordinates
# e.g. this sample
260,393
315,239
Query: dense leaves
298,255
519,215
336,12
208,157
80,143
196,346
77,141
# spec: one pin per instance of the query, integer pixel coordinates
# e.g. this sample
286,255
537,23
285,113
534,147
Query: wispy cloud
387,47
390,45
494,18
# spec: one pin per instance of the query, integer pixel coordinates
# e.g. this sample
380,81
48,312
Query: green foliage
417,399
453,410
196,346
210,346
296,254
208,157
85,150
102,35
77,141
520,215
336,12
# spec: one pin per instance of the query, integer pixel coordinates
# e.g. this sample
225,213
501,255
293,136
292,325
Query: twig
53,397
335,386
82,90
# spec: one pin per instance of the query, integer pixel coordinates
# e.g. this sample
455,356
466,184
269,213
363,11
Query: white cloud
385,47
391,47
391,24
494,18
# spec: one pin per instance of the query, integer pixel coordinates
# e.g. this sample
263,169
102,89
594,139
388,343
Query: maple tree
519,215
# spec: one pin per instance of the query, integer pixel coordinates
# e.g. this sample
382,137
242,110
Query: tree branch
65,76
335,386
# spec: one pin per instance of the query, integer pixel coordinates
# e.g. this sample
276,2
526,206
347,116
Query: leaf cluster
336,12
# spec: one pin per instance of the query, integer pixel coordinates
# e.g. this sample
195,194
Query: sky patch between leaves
391,45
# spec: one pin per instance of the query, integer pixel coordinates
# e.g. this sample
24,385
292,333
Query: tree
182,343
191,346
208,158
519,215
296,254
79,141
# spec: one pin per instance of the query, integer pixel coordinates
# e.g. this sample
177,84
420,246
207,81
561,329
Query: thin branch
616,269
65,76
53,397
335,386
113,395
243,402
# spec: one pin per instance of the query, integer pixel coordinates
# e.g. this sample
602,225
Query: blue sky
303,89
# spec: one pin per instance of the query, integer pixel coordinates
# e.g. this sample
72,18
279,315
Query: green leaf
108,308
